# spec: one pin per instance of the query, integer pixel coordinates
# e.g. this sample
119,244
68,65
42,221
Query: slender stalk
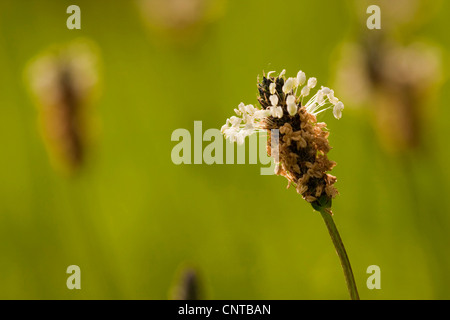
340,250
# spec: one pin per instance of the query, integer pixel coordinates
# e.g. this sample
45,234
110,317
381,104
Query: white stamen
320,97
272,88
235,121
241,107
325,90
273,100
292,109
337,110
312,82
305,91
272,112
250,109
290,99
261,114
331,94
301,78
333,100
290,84
279,112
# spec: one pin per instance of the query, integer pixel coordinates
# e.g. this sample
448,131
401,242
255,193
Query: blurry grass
132,216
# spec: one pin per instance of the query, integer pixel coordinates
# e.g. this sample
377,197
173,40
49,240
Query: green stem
340,249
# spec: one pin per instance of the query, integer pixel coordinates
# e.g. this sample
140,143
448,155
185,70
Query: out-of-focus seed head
63,82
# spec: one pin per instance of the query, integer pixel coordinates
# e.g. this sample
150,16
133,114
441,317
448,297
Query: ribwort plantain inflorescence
301,152
303,142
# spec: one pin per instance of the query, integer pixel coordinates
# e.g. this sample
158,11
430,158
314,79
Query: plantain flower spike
63,82
303,142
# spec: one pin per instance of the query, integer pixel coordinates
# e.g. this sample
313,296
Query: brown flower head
301,153
62,81
397,83
392,73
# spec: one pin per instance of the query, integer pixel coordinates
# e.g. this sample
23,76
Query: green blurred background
130,217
